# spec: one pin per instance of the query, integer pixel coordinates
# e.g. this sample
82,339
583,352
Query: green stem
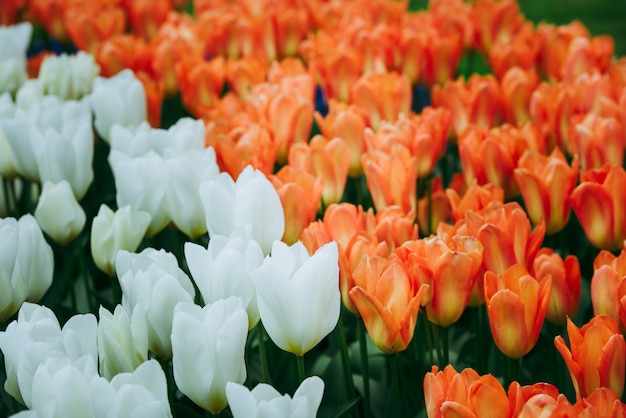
479,337
395,384
364,368
429,339
435,330
514,371
345,360
445,346
68,273
263,354
9,197
300,362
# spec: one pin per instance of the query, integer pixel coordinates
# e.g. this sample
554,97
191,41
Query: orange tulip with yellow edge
88,26
123,51
300,194
566,283
517,86
391,178
598,140
348,123
538,400
602,402
521,52
450,269
383,96
517,304
200,82
147,15
496,21
395,227
598,202
608,286
596,357
551,107
449,393
441,57
388,302
546,183
242,74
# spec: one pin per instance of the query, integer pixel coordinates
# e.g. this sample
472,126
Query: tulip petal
593,206
506,319
382,327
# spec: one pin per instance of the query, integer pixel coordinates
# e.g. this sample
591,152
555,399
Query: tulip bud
298,295
153,283
58,212
264,400
113,231
26,264
68,76
208,346
14,41
122,341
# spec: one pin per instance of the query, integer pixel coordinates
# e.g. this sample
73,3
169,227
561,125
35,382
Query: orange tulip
123,51
200,82
597,356
388,301
475,198
566,283
88,26
8,11
147,15
314,236
467,394
300,194
496,21
540,399
551,108
517,304
291,25
602,402
384,96
608,286
391,178
434,206
348,123
517,87
546,183
598,140
395,227
442,53
154,97
242,74
449,268
325,159
51,15
594,93
520,51
504,231
554,44
598,202
476,103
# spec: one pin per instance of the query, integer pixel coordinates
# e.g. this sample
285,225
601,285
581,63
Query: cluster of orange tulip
543,135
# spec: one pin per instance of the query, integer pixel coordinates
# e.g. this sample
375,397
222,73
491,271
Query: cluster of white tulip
105,367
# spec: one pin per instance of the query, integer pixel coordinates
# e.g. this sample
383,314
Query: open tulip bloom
197,194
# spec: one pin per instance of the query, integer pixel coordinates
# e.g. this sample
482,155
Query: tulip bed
309,208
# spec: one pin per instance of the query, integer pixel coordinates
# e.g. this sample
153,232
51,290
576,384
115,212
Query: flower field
299,208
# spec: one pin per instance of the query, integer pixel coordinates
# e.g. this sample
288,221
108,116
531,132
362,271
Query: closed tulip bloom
596,357
598,140
388,300
15,40
152,283
26,264
608,286
265,401
602,402
119,99
142,393
517,304
58,212
475,198
224,268
69,77
383,96
250,200
566,283
598,202
208,346
35,336
122,341
298,295
114,231
546,183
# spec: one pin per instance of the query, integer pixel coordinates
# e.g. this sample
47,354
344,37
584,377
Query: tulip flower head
58,212
15,41
608,286
517,304
265,401
298,295
596,357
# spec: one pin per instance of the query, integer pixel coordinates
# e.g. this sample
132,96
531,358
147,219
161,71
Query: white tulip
58,212
14,40
68,76
223,269
208,347
26,264
252,200
153,284
141,182
298,295
7,109
37,335
114,231
142,393
265,401
122,341
120,99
